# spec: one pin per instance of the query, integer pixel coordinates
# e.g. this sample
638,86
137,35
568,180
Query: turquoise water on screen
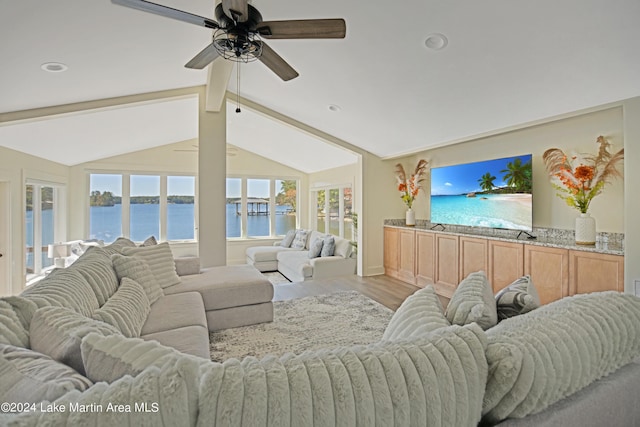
487,210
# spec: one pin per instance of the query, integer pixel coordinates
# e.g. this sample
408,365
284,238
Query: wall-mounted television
492,193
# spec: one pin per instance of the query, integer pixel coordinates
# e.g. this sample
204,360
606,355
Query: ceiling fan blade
204,58
236,9
169,12
278,65
303,29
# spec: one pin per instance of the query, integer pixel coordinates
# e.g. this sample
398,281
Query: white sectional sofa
299,263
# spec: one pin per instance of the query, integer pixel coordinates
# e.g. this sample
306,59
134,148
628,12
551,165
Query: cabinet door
391,253
473,256
425,258
406,260
505,263
446,268
549,271
593,272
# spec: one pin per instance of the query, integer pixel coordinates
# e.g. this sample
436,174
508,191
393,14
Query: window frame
244,178
163,205
327,206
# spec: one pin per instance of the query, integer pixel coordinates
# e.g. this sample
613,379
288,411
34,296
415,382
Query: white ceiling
507,63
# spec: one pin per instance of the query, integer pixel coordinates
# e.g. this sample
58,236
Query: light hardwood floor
383,289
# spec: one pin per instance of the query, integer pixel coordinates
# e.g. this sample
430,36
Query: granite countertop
606,243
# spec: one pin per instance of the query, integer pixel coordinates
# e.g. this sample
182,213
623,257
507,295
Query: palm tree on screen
486,182
518,175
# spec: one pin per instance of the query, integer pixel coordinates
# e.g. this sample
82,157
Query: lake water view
106,222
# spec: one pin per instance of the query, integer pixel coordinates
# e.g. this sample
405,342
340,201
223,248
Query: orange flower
402,187
583,173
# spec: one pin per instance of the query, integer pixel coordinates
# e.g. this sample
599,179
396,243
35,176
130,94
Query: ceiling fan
238,30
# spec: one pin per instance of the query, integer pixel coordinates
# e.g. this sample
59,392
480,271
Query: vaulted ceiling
506,63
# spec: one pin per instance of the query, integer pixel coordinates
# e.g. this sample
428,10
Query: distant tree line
97,198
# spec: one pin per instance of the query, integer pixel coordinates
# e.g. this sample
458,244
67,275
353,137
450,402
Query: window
334,211
180,208
144,210
43,213
139,206
261,207
105,207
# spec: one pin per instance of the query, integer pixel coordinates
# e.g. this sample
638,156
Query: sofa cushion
149,241
96,268
473,301
288,239
117,246
436,380
193,340
550,353
187,265
31,377
300,240
165,397
138,270
266,253
418,315
343,247
227,286
518,298
160,260
110,358
295,261
315,248
63,288
127,309
175,311
58,331
12,331
329,246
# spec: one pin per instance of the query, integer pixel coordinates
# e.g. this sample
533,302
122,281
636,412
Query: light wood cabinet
446,264
391,253
407,254
593,272
505,263
425,258
473,256
549,271
399,254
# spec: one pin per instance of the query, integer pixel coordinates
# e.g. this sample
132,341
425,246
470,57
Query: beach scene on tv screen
493,193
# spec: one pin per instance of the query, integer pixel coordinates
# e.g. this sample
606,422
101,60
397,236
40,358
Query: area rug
276,278
310,323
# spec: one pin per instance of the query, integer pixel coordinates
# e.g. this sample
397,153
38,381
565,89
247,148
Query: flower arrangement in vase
580,178
409,187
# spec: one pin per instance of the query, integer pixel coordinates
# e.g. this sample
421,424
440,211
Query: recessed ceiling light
436,41
54,67
335,108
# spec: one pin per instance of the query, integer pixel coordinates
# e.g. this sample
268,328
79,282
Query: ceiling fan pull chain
238,86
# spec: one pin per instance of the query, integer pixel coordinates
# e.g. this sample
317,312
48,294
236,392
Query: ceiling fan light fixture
238,47
54,67
436,41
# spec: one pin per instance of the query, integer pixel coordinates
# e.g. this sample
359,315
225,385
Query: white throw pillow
137,269
473,301
300,241
518,298
329,246
160,260
288,239
127,309
315,248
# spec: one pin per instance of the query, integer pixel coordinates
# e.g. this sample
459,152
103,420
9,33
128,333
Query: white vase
410,217
585,230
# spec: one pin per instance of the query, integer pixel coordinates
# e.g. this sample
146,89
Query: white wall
631,118
15,169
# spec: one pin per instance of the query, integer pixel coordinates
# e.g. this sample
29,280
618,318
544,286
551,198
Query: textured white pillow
107,358
329,246
31,377
150,241
418,315
127,309
11,329
288,239
58,332
160,260
473,301
315,248
137,269
300,241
